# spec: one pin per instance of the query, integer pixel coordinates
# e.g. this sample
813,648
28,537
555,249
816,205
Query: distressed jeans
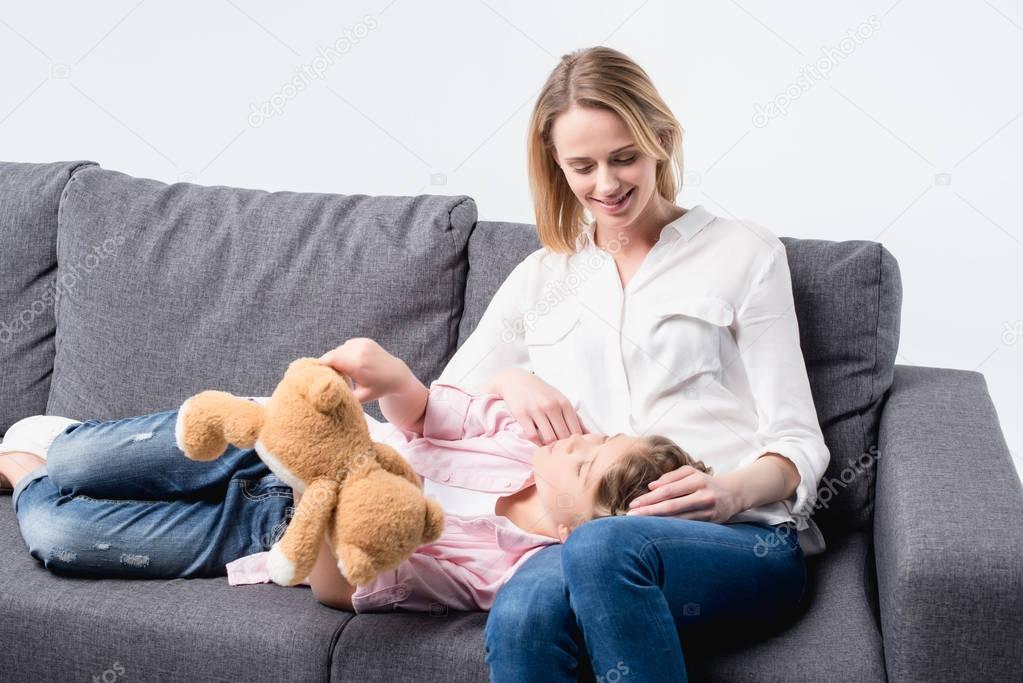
630,592
118,499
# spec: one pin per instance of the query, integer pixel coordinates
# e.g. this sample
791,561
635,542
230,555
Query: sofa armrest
948,532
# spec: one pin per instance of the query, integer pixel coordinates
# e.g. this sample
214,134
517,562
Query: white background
913,138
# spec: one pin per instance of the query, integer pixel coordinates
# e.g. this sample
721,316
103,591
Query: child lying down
504,496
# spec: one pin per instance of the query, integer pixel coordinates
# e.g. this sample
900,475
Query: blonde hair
601,78
628,478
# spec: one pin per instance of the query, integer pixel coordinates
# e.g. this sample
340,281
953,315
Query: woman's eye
584,171
628,160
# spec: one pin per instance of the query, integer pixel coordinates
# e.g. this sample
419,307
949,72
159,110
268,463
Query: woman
690,319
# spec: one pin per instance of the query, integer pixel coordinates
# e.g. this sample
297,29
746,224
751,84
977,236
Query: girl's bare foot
15,465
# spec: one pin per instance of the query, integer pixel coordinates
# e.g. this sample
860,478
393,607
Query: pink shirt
469,441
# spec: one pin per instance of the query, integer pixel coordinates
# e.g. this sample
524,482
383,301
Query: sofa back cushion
29,200
184,287
848,298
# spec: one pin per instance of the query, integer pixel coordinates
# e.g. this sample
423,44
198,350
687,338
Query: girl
118,498
470,450
641,316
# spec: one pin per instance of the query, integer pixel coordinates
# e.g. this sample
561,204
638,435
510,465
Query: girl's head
592,475
599,131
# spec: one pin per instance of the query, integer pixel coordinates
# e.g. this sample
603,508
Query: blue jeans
628,590
118,499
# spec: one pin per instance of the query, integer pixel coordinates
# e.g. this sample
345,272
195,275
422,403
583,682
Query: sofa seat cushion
59,628
835,635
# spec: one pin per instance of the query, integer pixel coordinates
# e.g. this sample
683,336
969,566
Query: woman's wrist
497,383
768,479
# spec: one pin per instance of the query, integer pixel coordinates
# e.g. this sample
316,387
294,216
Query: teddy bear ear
326,393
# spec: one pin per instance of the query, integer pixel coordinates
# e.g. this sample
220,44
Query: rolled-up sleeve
767,335
473,423
498,342
453,413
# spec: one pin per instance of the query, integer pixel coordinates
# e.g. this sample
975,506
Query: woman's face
604,167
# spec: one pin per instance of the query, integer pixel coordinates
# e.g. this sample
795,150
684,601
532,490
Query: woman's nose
607,182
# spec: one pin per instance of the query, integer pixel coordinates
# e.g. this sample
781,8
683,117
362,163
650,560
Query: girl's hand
689,493
374,371
541,409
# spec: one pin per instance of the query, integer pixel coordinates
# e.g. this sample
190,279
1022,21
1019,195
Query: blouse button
447,477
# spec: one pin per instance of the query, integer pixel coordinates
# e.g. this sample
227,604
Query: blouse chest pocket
685,335
552,341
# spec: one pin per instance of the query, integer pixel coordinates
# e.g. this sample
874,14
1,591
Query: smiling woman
671,321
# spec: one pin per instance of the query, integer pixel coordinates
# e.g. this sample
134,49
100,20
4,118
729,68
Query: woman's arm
768,479
794,456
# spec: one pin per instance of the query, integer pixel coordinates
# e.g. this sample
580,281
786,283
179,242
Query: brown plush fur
312,434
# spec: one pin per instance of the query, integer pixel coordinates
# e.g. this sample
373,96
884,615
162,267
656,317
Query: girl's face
567,472
604,167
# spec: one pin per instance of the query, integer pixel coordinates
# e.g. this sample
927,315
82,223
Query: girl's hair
628,477
601,78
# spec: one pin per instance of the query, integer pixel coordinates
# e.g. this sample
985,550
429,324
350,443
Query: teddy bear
312,434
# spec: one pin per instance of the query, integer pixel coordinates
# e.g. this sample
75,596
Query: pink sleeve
453,414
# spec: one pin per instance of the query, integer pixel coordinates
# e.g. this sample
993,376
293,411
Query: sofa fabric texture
30,196
198,287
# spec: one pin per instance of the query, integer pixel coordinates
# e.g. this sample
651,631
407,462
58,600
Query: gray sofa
121,296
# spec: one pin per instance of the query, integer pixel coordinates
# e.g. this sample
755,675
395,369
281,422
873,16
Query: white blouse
702,347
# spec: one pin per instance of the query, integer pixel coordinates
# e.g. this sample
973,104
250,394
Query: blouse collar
685,226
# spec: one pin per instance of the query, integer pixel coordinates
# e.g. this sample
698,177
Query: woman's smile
616,206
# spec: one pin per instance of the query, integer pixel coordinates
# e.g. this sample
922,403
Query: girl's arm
380,375
405,406
329,587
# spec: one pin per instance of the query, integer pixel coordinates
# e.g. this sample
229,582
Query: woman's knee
602,546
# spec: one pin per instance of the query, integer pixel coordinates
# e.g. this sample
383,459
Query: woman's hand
689,493
540,408
374,371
